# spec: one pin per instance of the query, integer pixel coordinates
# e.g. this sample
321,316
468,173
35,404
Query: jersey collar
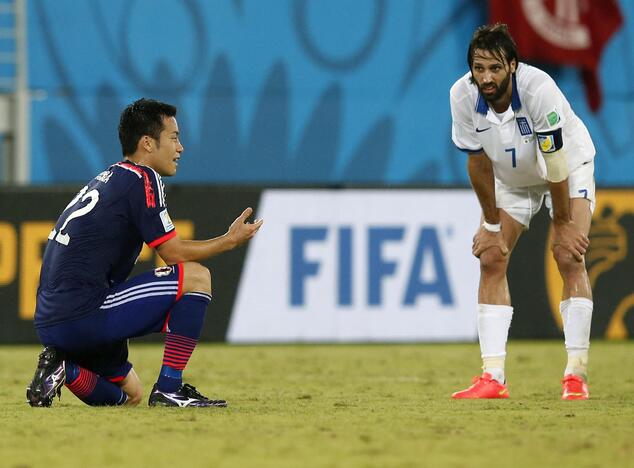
482,107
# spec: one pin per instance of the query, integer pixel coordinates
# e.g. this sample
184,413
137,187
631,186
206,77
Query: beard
499,90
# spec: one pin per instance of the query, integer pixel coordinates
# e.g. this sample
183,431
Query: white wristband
491,227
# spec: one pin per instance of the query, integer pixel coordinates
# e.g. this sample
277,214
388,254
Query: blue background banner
283,91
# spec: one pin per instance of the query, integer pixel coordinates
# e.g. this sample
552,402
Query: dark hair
142,117
494,38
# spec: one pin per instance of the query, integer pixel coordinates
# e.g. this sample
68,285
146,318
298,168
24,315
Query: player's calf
93,389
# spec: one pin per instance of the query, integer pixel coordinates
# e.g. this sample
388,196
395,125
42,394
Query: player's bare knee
566,262
197,278
492,262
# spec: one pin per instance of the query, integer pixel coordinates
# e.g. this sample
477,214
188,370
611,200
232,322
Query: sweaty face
492,76
166,151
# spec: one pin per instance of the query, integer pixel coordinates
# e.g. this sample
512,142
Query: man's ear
513,65
146,143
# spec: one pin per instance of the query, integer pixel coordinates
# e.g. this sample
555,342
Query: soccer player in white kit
525,145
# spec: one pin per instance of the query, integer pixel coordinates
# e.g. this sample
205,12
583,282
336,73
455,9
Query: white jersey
510,139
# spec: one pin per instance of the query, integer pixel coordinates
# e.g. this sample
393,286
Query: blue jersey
97,240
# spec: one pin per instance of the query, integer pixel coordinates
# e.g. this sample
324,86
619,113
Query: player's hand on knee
241,230
484,240
571,238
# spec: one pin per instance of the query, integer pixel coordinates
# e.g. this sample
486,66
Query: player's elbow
171,252
172,259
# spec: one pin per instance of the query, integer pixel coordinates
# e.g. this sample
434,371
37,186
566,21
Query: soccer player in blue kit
87,308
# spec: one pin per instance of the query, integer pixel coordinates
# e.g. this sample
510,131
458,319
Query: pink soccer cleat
574,388
483,387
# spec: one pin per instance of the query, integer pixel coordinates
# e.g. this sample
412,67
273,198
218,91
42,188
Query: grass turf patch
335,405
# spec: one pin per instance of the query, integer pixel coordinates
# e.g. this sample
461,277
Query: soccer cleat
574,388
185,396
48,379
483,387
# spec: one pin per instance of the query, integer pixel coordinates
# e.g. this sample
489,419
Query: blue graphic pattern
281,91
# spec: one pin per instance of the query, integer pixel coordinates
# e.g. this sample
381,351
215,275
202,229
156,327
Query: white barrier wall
360,265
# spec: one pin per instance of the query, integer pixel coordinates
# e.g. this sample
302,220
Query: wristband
491,227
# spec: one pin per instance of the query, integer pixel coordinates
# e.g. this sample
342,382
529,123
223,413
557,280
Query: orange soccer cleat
483,387
574,388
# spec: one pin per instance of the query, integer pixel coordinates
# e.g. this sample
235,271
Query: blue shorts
136,307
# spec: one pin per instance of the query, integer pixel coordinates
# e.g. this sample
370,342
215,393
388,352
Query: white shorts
524,203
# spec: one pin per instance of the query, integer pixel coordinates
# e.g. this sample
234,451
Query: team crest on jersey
546,143
163,271
525,128
104,176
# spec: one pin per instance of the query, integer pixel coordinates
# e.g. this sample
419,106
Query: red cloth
567,32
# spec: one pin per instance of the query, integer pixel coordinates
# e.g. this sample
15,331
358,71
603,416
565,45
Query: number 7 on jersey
512,151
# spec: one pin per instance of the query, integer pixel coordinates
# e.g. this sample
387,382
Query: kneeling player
87,309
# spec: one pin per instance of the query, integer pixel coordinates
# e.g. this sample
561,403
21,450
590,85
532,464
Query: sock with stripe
185,325
91,388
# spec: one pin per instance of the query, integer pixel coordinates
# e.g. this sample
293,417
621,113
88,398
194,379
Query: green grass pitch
335,406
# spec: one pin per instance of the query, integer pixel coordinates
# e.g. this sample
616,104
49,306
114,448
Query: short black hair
494,38
142,117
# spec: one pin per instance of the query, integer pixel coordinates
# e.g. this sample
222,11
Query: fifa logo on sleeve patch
163,271
104,176
525,128
166,220
546,143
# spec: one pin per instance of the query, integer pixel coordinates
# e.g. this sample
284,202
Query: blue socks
91,388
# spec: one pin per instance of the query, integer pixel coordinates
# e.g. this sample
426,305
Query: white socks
576,314
494,322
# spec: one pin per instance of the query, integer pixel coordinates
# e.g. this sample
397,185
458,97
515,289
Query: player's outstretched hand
570,237
484,240
241,230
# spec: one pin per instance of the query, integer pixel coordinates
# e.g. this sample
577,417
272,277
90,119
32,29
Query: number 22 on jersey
93,196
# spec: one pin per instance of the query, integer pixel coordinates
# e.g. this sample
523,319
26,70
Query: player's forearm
560,196
179,250
481,176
